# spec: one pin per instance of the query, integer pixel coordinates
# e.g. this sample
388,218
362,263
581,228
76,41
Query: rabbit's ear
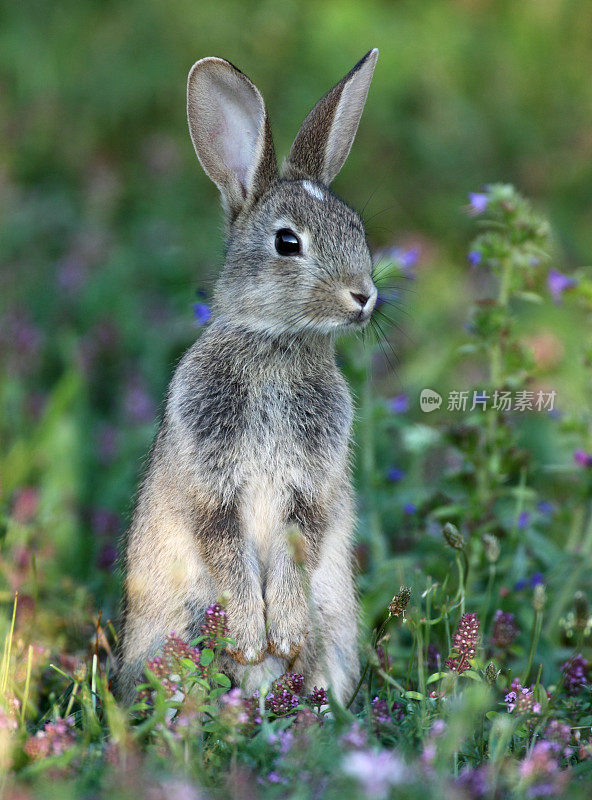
326,135
230,132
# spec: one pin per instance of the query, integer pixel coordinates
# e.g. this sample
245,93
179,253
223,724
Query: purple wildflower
409,258
233,708
478,202
395,474
107,556
139,406
520,585
546,507
356,737
380,711
107,443
464,643
523,520
521,700
104,522
475,258
55,738
540,773
558,283
375,771
536,578
281,701
202,313
318,698
399,404
559,735
284,695
475,783
72,273
504,630
433,658
215,625
165,667
386,296
583,458
575,674
409,509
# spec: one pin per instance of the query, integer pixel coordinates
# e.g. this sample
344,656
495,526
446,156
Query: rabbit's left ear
230,132
326,135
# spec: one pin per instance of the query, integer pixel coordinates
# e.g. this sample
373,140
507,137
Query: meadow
472,447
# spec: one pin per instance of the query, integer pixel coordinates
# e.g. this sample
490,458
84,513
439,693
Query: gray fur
256,431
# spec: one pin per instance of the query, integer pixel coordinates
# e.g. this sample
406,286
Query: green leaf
529,297
343,718
207,656
414,696
222,680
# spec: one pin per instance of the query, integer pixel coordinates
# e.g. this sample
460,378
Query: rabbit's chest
303,427
296,444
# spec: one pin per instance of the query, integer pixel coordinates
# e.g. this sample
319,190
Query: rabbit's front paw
285,637
250,640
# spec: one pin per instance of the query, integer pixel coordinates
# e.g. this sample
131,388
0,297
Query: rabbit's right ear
326,135
230,132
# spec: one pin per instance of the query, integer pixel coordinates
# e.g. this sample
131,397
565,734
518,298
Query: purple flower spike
409,508
504,630
202,313
477,202
559,283
399,404
575,674
523,520
475,258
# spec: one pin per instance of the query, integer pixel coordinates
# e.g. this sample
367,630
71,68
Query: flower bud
491,673
582,610
539,597
453,537
491,547
399,603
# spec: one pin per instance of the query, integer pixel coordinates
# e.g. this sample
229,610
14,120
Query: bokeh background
111,234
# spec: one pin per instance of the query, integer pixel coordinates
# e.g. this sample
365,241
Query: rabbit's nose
362,299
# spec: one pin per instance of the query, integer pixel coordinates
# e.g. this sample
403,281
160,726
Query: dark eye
287,243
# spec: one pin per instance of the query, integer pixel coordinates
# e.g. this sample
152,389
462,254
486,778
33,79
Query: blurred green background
111,232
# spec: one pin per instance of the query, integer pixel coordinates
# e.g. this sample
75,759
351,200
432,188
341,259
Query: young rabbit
255,436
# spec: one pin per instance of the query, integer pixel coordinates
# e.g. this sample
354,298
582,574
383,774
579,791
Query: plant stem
534,640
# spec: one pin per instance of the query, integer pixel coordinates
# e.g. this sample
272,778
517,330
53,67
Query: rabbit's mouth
360,304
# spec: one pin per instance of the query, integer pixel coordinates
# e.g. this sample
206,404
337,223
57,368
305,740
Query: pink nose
362,299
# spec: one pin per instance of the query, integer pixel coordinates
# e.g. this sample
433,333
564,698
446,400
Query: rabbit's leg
234,567
330,654
165,581
287,585
286,607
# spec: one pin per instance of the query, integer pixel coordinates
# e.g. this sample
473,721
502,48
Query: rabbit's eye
287,243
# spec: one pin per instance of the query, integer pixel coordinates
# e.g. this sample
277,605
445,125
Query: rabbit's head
297,257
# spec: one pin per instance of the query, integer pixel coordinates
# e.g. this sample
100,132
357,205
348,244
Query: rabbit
255,437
